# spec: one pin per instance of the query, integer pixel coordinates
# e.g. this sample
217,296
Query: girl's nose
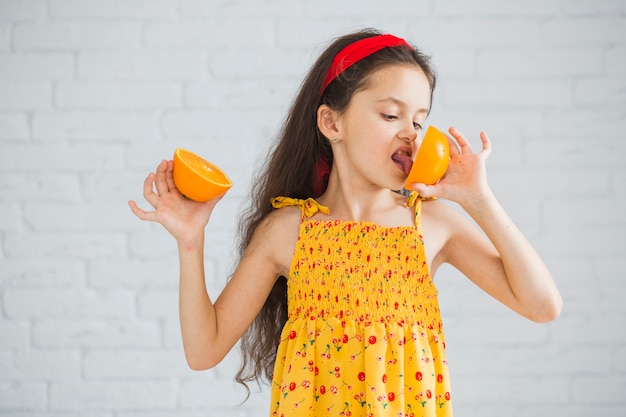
409,133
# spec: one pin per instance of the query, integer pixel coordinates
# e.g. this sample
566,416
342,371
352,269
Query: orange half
431,161
198,179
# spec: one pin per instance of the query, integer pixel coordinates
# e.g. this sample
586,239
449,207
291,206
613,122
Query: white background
94,93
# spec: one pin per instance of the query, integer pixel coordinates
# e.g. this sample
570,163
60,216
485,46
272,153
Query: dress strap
415,200
308,207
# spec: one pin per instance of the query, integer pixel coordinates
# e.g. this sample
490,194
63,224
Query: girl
333,295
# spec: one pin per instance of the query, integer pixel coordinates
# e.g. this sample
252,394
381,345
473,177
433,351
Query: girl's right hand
185,219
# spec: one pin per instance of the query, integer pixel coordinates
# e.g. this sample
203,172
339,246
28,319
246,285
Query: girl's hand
183,218
465,180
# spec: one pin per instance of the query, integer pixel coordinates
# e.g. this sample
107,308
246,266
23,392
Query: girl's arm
209,330
505,264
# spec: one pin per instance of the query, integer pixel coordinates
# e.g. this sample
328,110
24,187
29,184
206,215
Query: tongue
403,161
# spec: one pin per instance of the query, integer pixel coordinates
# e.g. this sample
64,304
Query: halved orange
431,161
198,179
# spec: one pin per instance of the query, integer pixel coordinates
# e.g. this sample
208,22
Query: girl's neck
376,205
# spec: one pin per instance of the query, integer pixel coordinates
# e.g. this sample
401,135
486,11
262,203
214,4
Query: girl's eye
417,126
389,116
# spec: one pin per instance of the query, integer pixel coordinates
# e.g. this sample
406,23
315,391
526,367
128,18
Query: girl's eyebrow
399,103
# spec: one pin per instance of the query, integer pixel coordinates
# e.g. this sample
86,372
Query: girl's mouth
402,159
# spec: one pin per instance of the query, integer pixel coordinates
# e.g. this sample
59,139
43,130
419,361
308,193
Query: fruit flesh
196,178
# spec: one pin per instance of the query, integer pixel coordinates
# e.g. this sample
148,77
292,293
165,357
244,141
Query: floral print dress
364,334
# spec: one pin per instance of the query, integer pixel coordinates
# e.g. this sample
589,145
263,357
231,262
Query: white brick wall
94,93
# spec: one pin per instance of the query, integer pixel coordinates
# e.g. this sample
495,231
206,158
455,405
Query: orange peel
432,159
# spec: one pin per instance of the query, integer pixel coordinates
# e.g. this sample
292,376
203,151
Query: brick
14,127
152,245
15,334
202,393
53,187
599,389
497,8
5,36
599,329
20,303
615,60
225,216
512,390
618,358
23,10
183,413
158,304
10,217
65,35
112,395
135,273
585,31
107,95
101,334
26,159
196,125
34,365
104,125
171,334
523,94
547,359
199,8
47,217
609,271
23,396
44,273
100,187
502,126
520,63
577,282
37,66
446,62
141,9
533,8
549,182
329,8
312,34
66,245
143,65
259,63
573,409
216,32
135,364
142,160
511,330
600,91
598,211
582,240
574,154
220,94
25,96
484,410
477,32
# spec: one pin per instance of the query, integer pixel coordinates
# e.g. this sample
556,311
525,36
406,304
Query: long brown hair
290,171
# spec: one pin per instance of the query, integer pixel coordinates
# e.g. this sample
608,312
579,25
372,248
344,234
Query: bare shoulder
276,237
440,224
439,211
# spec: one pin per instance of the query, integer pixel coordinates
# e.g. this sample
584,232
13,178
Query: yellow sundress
364,336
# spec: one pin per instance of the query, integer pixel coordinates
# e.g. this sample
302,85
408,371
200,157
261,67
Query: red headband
358,50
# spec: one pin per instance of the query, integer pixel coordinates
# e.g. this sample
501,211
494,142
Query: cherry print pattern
364,335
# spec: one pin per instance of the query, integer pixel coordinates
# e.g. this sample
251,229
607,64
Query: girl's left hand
466,177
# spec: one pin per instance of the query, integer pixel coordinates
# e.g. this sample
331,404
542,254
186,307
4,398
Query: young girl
333,295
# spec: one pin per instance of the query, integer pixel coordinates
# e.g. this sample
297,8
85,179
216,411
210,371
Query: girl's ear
327,122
